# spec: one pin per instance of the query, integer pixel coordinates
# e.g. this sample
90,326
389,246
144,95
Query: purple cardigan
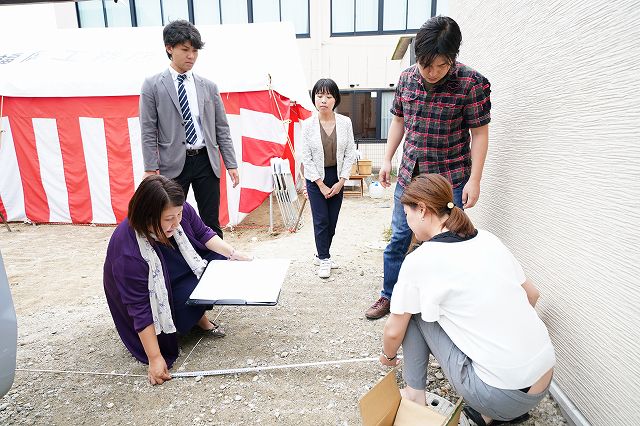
126,284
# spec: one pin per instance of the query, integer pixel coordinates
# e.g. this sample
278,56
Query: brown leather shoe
378,309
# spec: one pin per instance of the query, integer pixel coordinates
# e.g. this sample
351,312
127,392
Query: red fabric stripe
250,199
231,103
66,112
120,165
75,170
223,214
263,102
259,152
3,210
299,113
24,139
96,107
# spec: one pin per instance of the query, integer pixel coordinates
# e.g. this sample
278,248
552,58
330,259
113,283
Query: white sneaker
324,270
316,261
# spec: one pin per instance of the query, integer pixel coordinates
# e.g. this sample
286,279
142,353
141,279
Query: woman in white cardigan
328,151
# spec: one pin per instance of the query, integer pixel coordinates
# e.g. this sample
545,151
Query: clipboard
252,283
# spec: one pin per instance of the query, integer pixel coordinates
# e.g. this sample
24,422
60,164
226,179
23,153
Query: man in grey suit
184,125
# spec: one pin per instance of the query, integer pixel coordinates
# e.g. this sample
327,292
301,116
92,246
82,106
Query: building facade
350,41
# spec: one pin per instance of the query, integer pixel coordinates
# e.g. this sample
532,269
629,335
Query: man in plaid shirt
442,108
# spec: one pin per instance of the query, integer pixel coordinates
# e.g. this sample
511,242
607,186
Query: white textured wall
562,180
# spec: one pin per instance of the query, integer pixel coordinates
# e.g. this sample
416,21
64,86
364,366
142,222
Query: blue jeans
401,238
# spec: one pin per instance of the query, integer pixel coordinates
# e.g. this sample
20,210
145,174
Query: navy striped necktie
189,128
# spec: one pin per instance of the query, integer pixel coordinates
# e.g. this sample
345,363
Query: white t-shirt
473,289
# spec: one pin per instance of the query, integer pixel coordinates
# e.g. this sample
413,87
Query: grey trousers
424,338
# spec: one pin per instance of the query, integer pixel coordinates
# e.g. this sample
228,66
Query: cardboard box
384,406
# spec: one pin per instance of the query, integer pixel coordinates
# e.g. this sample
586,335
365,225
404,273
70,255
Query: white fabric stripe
257,177
52,168
11,190
263,126
95,155
233,194
135,140
241,217
297,136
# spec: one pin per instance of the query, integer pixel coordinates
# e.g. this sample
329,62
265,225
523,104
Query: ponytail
435,192
459,223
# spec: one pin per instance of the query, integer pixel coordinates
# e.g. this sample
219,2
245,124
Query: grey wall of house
562,180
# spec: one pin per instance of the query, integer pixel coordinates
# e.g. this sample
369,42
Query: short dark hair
440,35
181,31
154,194
326,85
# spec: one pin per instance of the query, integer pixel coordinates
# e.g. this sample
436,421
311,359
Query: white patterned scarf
158,294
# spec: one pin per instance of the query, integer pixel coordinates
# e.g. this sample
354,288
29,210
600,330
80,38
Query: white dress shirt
192,98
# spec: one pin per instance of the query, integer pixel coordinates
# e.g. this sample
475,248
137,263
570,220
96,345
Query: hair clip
450,205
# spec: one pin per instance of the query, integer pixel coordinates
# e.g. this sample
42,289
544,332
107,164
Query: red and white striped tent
70,148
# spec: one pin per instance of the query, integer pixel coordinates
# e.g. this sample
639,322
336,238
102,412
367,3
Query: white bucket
376,190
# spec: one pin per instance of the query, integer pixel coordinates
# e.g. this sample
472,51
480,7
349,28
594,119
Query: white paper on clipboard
255,282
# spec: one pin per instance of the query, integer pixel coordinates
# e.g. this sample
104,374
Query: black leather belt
194,152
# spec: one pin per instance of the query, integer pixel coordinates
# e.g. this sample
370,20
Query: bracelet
389,358
233,251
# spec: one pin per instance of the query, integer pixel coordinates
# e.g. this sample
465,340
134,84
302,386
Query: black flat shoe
476,417
217,331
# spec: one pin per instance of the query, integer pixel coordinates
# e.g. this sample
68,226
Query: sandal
479,421
217,331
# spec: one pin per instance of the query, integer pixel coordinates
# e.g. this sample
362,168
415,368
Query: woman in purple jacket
154,260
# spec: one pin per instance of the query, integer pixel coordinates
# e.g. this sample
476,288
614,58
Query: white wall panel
562,180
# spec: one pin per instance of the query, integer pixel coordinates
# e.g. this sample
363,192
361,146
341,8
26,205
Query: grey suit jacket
163,135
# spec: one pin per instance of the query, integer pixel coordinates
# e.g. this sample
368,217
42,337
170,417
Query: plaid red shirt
437,122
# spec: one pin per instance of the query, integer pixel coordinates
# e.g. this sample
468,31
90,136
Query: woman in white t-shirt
463,297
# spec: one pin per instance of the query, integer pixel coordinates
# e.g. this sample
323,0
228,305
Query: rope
208,372
196,345
285,123
268,368
91,373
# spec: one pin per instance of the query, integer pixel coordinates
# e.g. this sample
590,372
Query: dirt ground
55,272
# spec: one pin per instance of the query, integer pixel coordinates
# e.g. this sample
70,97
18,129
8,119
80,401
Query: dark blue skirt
183,282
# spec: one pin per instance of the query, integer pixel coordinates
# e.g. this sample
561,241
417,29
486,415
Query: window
234,12
118,14
172,10
296,12
366,17
206,12
148,12
107,13
90,14
369,112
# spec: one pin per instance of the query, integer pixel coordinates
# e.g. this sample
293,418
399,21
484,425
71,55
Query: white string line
92,373
192,349
196,345
221,309
209,372
268,367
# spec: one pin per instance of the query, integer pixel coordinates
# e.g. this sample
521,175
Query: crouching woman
154,260
463,297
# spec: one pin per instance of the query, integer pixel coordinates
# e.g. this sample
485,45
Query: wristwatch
388,357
